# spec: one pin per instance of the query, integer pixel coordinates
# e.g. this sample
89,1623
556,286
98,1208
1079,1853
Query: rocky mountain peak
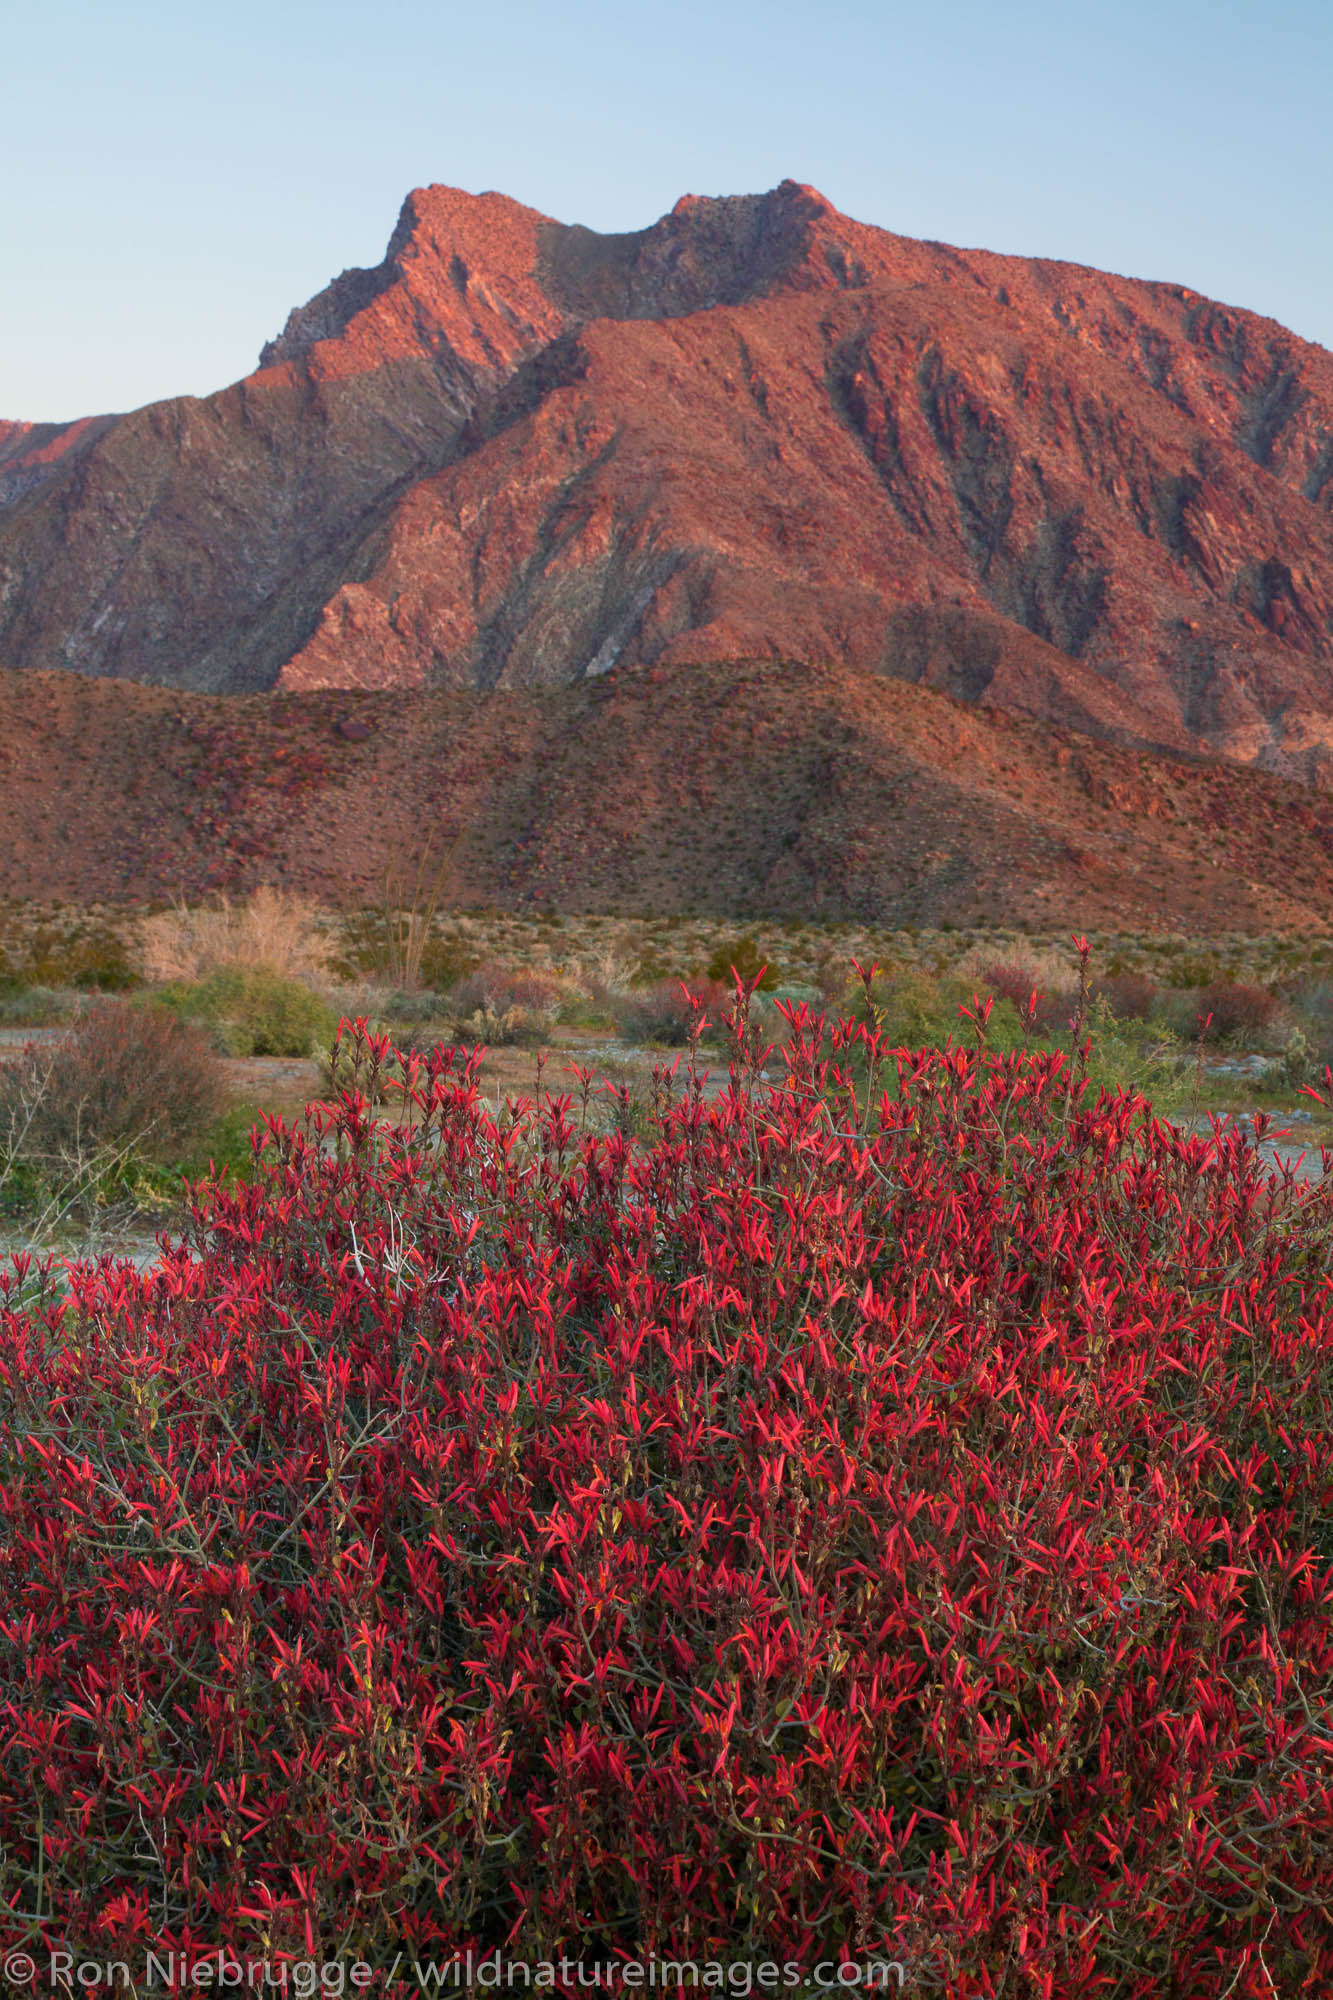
521,453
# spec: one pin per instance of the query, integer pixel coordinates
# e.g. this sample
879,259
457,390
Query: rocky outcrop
521,455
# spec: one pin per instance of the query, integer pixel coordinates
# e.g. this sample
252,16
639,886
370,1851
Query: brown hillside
735,789
517,455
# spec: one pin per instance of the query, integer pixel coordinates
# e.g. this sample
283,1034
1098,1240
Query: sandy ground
286,1085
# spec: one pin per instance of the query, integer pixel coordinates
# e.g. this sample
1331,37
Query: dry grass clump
274,929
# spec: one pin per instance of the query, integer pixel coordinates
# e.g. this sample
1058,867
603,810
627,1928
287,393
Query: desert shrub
275,930
592,1006
1012,980
444,961
1311,1000
662,1016
893,1527
830,978
497,989
257,1012
503,1027
404,1013
496,985
125,1079
1044,1009
906,1007
653,966
34,1006
1297,1065
913,1010
1130,996
744,957
89,960
1188,970
96,962
372,945
1239,1012
666,1016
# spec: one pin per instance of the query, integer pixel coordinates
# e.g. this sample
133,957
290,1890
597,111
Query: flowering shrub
846,1522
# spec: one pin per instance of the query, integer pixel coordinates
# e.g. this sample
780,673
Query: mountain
741,789
517,456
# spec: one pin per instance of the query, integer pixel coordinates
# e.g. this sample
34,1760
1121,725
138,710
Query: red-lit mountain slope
519,455
741,789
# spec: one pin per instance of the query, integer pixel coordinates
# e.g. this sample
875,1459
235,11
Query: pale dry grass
274,929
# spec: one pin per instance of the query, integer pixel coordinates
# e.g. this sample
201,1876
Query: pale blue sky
177,177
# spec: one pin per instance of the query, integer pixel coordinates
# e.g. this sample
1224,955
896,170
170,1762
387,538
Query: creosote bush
89,961
257,1012
838,1522
743,958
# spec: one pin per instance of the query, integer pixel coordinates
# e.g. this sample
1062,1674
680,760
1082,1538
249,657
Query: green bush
33,1006
911,1010
93,962
256,1012
369,950
744,956
1192,970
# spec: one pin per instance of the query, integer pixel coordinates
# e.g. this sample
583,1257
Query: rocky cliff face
521,455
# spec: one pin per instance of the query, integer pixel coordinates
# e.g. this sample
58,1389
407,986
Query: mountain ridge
517,453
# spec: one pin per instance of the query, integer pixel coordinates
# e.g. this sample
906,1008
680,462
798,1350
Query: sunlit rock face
518,454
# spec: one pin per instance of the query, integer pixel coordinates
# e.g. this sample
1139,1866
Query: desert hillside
737,789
